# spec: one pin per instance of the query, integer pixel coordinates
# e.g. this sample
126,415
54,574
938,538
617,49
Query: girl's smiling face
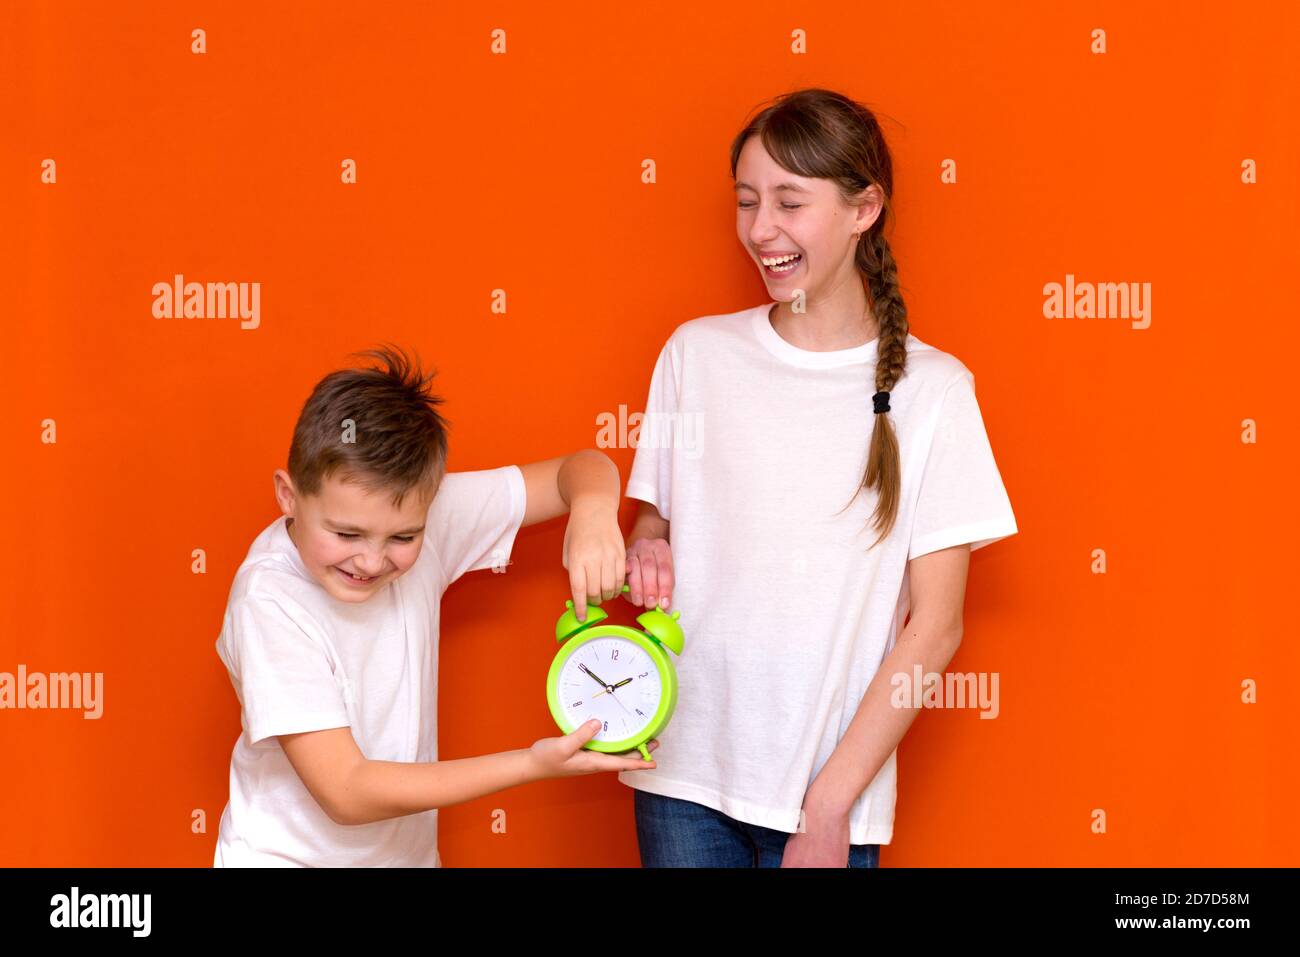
780,214
352,540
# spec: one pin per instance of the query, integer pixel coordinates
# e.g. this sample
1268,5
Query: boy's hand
650,572
566,757
594,553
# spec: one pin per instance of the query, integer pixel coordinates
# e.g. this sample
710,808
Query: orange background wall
522,172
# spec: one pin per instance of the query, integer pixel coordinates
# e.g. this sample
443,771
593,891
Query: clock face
613,679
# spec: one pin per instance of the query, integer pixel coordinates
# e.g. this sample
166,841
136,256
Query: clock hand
598,681
610,688
615,697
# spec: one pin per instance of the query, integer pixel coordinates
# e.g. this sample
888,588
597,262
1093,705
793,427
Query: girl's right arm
351,789
649,560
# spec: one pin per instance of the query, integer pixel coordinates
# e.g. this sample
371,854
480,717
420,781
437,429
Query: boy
331,628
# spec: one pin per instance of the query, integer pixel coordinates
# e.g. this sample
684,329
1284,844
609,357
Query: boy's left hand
594,554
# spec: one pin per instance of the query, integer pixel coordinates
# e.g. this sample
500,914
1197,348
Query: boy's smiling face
348,531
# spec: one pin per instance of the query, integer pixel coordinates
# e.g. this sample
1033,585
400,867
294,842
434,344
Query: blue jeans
671,832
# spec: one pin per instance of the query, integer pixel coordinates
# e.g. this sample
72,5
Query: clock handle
568,625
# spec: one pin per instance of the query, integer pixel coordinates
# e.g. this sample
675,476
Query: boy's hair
378,427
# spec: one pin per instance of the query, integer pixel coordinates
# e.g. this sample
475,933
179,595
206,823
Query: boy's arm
587,485
559,485
353,790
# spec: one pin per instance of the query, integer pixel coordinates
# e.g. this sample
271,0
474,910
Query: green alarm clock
615,673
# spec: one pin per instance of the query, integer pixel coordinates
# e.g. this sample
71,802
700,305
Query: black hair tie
881,402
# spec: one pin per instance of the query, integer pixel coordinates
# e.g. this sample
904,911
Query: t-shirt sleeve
652,465
962,498
474,519
282,670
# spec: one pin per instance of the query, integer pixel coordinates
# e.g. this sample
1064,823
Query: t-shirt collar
806,358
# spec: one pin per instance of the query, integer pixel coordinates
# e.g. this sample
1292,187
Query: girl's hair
397,441
823,134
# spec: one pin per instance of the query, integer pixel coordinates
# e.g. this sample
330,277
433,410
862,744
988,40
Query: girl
819,472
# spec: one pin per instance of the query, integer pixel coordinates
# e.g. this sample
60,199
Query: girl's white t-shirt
750,447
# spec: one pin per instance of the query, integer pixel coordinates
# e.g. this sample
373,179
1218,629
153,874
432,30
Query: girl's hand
823,843
566,757
650,572
594,554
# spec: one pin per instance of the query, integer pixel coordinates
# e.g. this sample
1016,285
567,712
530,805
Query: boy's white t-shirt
301,660
749,447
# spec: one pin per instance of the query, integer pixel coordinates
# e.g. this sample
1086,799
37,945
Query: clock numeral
614,656
643,674
576,704
640,712
606,727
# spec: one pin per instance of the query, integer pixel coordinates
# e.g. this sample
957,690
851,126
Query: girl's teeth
783,264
